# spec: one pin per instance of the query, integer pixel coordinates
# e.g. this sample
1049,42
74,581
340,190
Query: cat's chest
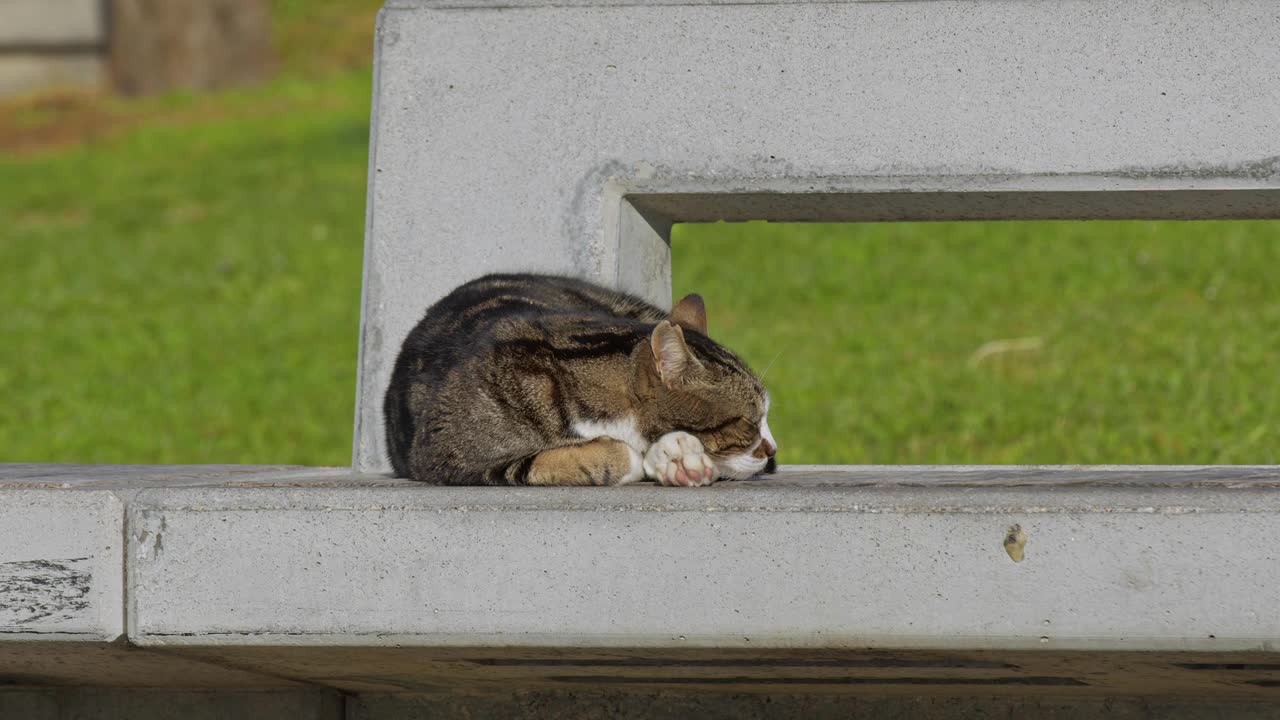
622,428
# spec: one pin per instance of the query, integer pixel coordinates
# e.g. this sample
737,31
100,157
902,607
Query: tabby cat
541,380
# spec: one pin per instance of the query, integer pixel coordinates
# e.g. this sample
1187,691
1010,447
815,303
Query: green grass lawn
188,291
1153,342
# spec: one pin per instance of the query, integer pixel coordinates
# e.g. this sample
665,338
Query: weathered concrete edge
863,490
1108,506
805,495
105,621
559,642
368,273
517,4
126,479
1261,174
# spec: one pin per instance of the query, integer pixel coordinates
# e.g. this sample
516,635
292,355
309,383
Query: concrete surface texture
858,581
60,565
568,136
785,563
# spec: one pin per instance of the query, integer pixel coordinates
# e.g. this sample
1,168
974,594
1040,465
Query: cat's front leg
678,458
596,461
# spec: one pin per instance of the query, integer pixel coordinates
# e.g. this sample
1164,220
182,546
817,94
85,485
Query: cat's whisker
771,362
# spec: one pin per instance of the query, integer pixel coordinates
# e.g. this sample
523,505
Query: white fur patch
636,473
621,428
624,429
764,424
740,467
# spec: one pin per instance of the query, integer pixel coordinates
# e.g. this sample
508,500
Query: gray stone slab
864,580
401,565
125,479
62,598
32,24
61,577
1134,580
61,565
1048,477
569,136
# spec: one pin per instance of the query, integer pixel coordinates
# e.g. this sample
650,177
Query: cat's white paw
678,458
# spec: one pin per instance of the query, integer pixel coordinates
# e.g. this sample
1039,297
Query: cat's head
702,388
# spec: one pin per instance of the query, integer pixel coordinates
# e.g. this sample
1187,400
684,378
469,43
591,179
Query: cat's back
540,314
474,307
534,309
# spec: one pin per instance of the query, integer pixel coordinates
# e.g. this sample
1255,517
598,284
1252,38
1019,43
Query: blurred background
182,193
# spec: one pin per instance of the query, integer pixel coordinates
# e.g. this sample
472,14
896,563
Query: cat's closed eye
738,435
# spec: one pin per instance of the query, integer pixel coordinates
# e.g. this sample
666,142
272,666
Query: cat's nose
765,450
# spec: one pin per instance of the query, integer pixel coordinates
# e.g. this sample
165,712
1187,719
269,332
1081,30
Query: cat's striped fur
541,380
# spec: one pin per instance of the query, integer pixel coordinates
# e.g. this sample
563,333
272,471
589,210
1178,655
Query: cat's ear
690,313
671,356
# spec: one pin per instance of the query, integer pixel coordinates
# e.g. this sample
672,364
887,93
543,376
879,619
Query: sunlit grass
1143,342
189,293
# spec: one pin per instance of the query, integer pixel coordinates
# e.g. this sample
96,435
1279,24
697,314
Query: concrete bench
569,137
302,583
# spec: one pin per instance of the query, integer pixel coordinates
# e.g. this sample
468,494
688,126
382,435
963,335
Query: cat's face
730,415
706,391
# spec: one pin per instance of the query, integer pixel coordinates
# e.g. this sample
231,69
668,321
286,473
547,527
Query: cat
524,379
